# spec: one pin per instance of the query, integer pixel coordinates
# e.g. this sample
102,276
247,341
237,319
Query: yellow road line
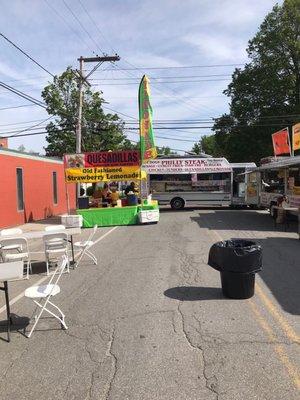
279,349
272,308
288,330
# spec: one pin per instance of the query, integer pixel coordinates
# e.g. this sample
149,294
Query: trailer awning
282,163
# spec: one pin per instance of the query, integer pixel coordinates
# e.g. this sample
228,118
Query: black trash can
83,202
237,260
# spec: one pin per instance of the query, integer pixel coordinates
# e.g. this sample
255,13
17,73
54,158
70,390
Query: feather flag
148,148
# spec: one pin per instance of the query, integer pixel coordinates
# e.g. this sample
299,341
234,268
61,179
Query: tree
265,95
100,131
22,148
166,151
207,145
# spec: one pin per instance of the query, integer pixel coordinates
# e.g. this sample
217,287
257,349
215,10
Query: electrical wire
25,54
67,24
94,23
13,107
81,25
180,67
23,95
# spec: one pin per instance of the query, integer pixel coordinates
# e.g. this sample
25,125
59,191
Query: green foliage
265,95
166,151
100,131
207,144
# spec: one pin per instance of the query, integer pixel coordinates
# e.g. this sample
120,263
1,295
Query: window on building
54,181
20,191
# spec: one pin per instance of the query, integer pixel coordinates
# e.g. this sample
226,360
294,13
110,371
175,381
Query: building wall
37,188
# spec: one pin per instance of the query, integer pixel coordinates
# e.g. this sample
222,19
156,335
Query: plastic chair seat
16,256
42,291
87,243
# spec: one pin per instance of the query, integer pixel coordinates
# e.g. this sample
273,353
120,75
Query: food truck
274,178
179,181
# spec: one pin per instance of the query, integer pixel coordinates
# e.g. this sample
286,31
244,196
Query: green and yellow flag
148,148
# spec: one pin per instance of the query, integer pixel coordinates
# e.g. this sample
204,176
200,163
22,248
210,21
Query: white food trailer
179,181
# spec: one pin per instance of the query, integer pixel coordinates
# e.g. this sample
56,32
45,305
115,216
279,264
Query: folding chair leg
47,265
91,255
44,308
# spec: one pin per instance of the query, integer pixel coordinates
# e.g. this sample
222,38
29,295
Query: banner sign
281,142
187,166
296,137
127,158
148,149
104,174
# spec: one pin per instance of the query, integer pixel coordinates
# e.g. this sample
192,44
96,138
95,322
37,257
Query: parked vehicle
179,181
274,179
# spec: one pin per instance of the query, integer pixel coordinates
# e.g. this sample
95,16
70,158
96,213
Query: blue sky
155,34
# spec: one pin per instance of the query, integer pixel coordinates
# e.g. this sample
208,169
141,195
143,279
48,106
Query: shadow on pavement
281,254
19,325
281,272
194,293
167,209
240,220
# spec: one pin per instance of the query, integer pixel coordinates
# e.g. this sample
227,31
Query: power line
94,23
179,67
163,77
23,122
163,82
13,107
81,25
23,95
30,127
27,55
67,23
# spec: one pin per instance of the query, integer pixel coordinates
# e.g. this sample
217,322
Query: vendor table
112,216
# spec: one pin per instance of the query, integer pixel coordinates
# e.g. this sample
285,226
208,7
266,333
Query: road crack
211,383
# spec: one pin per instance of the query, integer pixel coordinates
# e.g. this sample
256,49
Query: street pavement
150,322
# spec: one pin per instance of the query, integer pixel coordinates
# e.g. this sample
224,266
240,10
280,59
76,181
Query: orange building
32,188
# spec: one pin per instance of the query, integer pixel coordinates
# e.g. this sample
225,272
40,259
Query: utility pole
83,80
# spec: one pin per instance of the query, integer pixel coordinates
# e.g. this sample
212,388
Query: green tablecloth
112,216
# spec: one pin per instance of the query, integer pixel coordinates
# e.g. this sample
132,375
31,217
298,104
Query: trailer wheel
177,203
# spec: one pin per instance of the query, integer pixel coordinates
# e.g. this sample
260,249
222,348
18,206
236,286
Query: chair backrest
92,233
11,232
58,272
53,238
15,241
11,270
55,228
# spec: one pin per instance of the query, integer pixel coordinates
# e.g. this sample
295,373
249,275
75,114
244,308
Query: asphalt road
150,322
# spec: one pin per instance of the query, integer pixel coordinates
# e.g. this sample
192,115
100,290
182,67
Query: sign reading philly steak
187,165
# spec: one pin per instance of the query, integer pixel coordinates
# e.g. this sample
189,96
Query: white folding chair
11,232
16,249
41,296
56,244
85,246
